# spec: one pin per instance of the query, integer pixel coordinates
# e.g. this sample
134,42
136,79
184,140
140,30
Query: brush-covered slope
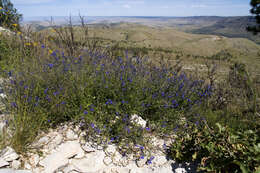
230,27
197,44
178,43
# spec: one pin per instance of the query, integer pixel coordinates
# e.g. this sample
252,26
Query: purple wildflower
92,125
13,104
109,101
150,160
50,65
147,128
45,91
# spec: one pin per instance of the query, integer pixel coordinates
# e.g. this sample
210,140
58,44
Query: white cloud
126,6
199,6
165,7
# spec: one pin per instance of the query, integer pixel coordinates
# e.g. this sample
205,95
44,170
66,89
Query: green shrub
49,87
233,102
9,17
218,150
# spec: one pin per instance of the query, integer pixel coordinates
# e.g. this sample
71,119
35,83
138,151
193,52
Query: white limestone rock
159,160
70,149
57,139
23,171
38,170
71,135
116,158
27,166
63,129
110,150
14,171
141,170
141,162
42,141
74,157
125,161
34,160
60,157
118,170
2,126
97,146
3,163
74,171
107,160
53,162
93,162
156,142
165,169
69,168
135,119
8,154
119,160
16,164
77,128
80,154
88,148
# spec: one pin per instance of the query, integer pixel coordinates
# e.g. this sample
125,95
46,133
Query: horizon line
146,16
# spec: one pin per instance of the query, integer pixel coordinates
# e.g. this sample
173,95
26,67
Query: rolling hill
234,27
194,39
174,43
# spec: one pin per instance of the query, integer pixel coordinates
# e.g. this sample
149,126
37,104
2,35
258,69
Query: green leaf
242,167
194,156
220,128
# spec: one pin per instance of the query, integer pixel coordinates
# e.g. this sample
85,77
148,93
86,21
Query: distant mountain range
234,27
230,27
155,20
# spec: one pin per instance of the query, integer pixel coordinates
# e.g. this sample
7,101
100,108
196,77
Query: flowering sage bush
100,92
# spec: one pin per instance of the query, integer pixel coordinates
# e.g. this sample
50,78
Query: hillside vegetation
173,44
199,90
230,27
234,27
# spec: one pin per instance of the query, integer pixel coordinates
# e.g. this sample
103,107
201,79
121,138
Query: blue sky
31,8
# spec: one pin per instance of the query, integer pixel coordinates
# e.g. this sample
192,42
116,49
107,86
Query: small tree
256,12
9,17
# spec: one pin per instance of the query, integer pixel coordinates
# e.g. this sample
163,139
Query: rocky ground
66,149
